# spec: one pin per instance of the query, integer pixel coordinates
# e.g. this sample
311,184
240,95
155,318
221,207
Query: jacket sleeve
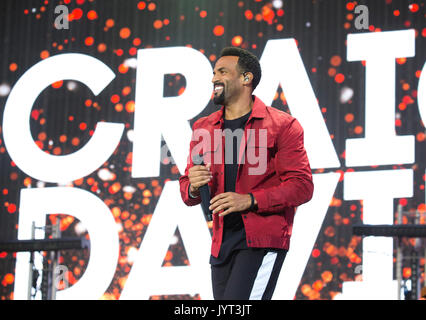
292,166
184,180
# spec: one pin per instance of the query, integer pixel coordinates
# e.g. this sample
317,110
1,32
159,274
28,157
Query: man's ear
248,77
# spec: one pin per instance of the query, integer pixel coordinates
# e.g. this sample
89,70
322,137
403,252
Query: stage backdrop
97,99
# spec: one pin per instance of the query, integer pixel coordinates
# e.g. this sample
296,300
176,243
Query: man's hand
230,202
198,176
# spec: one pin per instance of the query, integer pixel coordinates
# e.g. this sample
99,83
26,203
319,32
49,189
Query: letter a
361,21
61,21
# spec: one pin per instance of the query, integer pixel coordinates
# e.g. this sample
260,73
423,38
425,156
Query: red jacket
285,183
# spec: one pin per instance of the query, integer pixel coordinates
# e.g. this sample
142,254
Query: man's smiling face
227,80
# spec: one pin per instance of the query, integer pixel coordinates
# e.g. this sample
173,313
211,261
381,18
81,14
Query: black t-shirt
234,235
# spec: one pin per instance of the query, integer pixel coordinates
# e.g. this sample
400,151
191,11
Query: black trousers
249,274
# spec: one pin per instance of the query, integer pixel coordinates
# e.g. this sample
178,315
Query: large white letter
147,277
16,120
377,189
156,115
35,204
307,223
281,64
421,99
421,95
380,146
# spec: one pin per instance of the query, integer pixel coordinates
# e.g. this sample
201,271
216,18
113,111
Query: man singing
258,173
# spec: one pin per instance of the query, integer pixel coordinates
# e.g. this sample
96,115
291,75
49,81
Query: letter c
16,125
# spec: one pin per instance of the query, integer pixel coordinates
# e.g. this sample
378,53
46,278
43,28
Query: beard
219,99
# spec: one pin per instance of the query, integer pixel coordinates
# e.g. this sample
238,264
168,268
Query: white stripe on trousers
263,276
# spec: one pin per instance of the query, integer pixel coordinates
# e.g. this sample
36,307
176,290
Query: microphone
204,191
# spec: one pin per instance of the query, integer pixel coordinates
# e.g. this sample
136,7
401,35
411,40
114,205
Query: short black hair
247,62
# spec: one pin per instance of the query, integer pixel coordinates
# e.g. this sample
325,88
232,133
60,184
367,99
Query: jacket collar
258,111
